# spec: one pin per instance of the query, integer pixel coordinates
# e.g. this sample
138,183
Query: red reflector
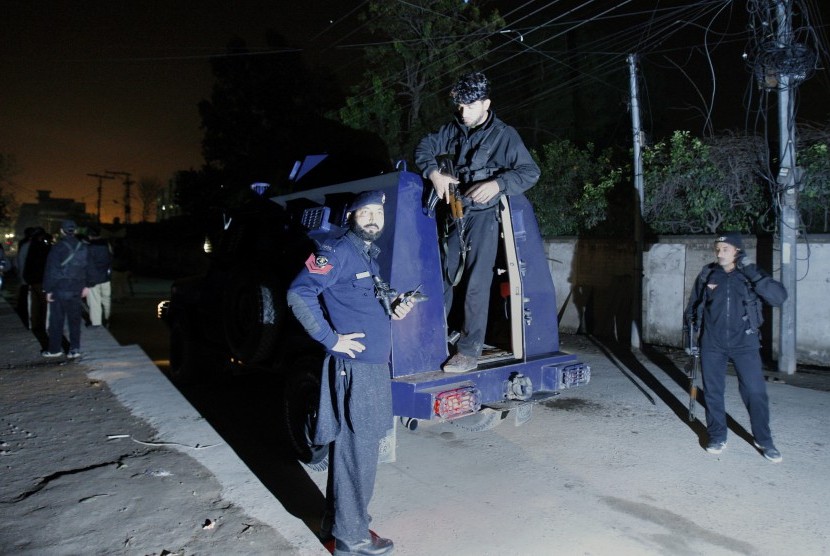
457,402
505,289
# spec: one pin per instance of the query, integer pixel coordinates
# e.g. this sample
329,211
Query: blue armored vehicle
235,317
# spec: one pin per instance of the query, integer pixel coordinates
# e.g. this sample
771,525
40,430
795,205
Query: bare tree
148,191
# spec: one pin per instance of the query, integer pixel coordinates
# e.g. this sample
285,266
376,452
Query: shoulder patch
318,264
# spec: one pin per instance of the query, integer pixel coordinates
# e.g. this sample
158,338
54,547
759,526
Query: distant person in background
121,270
23,303
32,272
99,299
4,264
64,281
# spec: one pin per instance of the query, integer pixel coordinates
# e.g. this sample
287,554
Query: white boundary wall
593,279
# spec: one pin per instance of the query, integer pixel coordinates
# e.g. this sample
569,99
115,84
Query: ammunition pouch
468,178
754,315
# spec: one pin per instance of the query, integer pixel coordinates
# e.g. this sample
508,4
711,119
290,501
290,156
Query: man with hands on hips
337,300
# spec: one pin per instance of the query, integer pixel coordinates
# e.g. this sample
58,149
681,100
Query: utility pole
637,300
100,177
127,183
788,226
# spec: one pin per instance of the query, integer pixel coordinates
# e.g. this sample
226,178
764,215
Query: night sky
114,85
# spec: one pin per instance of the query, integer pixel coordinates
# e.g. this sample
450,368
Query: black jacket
100,261
722,303
491,150
35,262
66,266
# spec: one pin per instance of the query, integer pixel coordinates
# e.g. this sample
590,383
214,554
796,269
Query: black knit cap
732,238
68,226
470,88
367,198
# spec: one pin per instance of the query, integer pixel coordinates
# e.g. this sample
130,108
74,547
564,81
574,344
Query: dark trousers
22,307
65,308
751,386
37,309
353,464
482,237
354,414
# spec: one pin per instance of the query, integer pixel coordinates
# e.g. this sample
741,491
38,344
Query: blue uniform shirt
335,293
719,302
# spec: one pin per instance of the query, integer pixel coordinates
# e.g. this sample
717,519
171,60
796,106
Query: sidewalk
102,455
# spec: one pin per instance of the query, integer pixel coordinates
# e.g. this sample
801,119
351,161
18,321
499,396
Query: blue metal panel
419,342
541,329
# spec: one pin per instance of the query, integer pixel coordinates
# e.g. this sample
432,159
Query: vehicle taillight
457,402
575,375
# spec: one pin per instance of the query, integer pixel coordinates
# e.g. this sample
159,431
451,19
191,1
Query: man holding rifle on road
725,310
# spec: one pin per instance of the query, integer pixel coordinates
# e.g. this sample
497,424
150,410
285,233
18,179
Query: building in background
166,206
48,212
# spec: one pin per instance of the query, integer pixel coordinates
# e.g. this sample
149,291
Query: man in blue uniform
725,308
490,160
336,300
65,281
99,299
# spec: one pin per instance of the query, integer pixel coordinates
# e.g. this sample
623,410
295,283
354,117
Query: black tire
301,399
252,316
484,420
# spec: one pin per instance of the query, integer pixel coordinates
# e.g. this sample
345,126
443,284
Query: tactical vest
471,161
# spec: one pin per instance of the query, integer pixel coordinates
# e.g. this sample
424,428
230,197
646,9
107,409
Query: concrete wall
594,286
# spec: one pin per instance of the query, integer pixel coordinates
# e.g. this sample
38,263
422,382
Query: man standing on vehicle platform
490,161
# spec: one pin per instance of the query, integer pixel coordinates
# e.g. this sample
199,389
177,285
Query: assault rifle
447,168
456,216
692,367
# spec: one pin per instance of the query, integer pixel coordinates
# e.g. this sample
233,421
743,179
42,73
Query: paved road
612,468
603,471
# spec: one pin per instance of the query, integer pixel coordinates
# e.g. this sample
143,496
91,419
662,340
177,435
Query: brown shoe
460,363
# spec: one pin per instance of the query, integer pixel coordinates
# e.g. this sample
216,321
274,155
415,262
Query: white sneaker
716,447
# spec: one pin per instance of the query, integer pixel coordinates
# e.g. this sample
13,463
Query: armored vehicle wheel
192,360
300,402
252,314
484,420
184,352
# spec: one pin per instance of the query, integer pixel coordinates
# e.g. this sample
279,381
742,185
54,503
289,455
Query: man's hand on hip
347,344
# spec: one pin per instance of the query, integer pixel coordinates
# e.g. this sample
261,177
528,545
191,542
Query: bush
696,186
814,198
571,195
